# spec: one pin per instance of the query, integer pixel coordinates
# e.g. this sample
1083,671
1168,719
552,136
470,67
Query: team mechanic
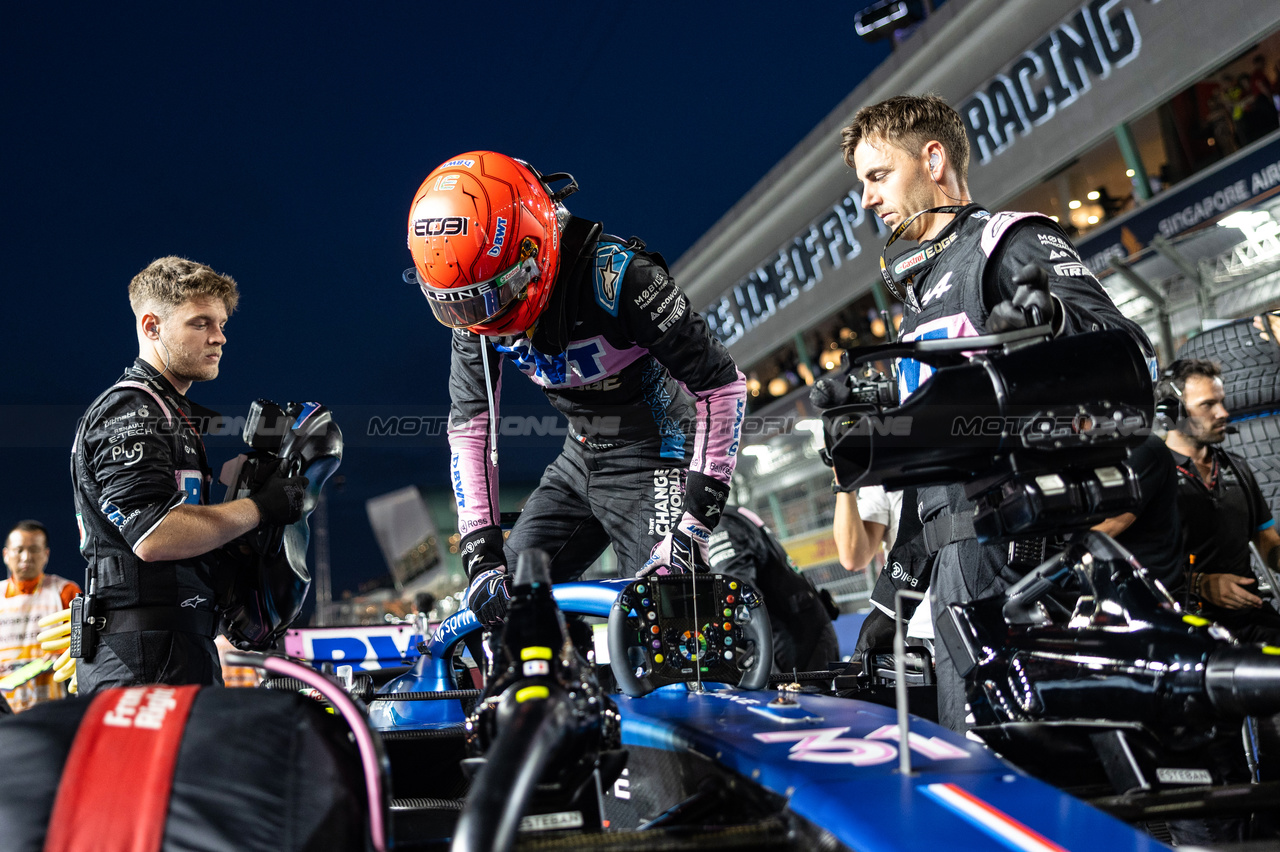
141,482
912,156
654,403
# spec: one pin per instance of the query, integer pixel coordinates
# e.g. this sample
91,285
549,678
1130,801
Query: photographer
912,156
141,482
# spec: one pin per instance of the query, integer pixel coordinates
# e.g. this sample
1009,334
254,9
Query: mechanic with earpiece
966,276
654,402
141,481
1223,509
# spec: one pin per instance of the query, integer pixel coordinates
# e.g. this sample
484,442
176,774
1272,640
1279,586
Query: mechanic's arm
1080,304
857,541
1267,541
194,530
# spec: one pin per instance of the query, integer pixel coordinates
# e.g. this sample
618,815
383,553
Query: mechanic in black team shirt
804,639
654,402
912,156
1150,531
141,482
1222,508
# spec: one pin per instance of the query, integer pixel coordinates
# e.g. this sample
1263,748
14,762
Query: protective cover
256,770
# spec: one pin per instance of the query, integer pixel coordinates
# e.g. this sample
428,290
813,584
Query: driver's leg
556,519
638,497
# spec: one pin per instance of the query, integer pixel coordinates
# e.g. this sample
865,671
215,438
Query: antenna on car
900,679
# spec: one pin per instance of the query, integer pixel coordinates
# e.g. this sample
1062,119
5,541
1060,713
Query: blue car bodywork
834,760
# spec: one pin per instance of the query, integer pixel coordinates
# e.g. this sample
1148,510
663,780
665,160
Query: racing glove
1032,304
489,593
489,597
279,500
685,549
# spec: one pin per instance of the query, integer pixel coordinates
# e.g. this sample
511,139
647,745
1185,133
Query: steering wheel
655,638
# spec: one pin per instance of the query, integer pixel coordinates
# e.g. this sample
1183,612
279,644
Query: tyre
1250,365
1259,442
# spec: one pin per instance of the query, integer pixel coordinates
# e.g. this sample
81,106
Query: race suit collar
551,334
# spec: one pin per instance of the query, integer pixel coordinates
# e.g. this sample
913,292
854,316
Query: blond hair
910,122
170,281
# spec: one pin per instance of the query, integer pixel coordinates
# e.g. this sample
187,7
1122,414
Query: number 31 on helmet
484,232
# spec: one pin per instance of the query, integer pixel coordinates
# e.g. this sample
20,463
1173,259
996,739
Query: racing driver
141,482
654,402
912,155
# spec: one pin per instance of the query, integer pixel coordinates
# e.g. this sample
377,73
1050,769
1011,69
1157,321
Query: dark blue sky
281,143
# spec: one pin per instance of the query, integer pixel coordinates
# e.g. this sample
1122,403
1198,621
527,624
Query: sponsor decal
362,648
499,238
464,163
193,602
676,313
129,455
649,293
141,707
1058,255
943,285
901,574
668,501
610,266
447,226
444,183
192,482
1072,269
116,516
455,475
1054,241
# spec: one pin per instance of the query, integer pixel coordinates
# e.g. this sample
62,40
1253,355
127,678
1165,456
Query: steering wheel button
653,629
640,588
728,599
651,615
733,584
728,655
657,658
645,602
727,627
657,643
728,640
728,613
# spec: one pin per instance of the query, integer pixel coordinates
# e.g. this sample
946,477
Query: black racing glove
489,597
279,500
1031,305
829,392
489,594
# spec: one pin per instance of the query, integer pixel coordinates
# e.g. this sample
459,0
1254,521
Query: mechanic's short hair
169,281
1176,374
910,122
29,526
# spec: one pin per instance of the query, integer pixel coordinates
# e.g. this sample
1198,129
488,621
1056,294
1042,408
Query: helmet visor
460,307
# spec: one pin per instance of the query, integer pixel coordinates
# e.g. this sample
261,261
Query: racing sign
362,648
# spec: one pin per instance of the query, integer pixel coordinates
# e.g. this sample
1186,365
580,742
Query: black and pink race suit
654,405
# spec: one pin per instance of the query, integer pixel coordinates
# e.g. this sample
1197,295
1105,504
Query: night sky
281,143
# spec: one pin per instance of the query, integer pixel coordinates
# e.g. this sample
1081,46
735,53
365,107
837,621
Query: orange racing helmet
484,232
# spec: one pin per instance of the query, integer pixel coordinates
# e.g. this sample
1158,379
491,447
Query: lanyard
899,275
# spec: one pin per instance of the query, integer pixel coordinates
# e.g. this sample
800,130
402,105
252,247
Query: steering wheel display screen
684,633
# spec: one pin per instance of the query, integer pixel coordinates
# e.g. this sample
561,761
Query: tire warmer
110,805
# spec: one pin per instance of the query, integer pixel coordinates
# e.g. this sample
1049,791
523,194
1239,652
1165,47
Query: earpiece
154,331
934,162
